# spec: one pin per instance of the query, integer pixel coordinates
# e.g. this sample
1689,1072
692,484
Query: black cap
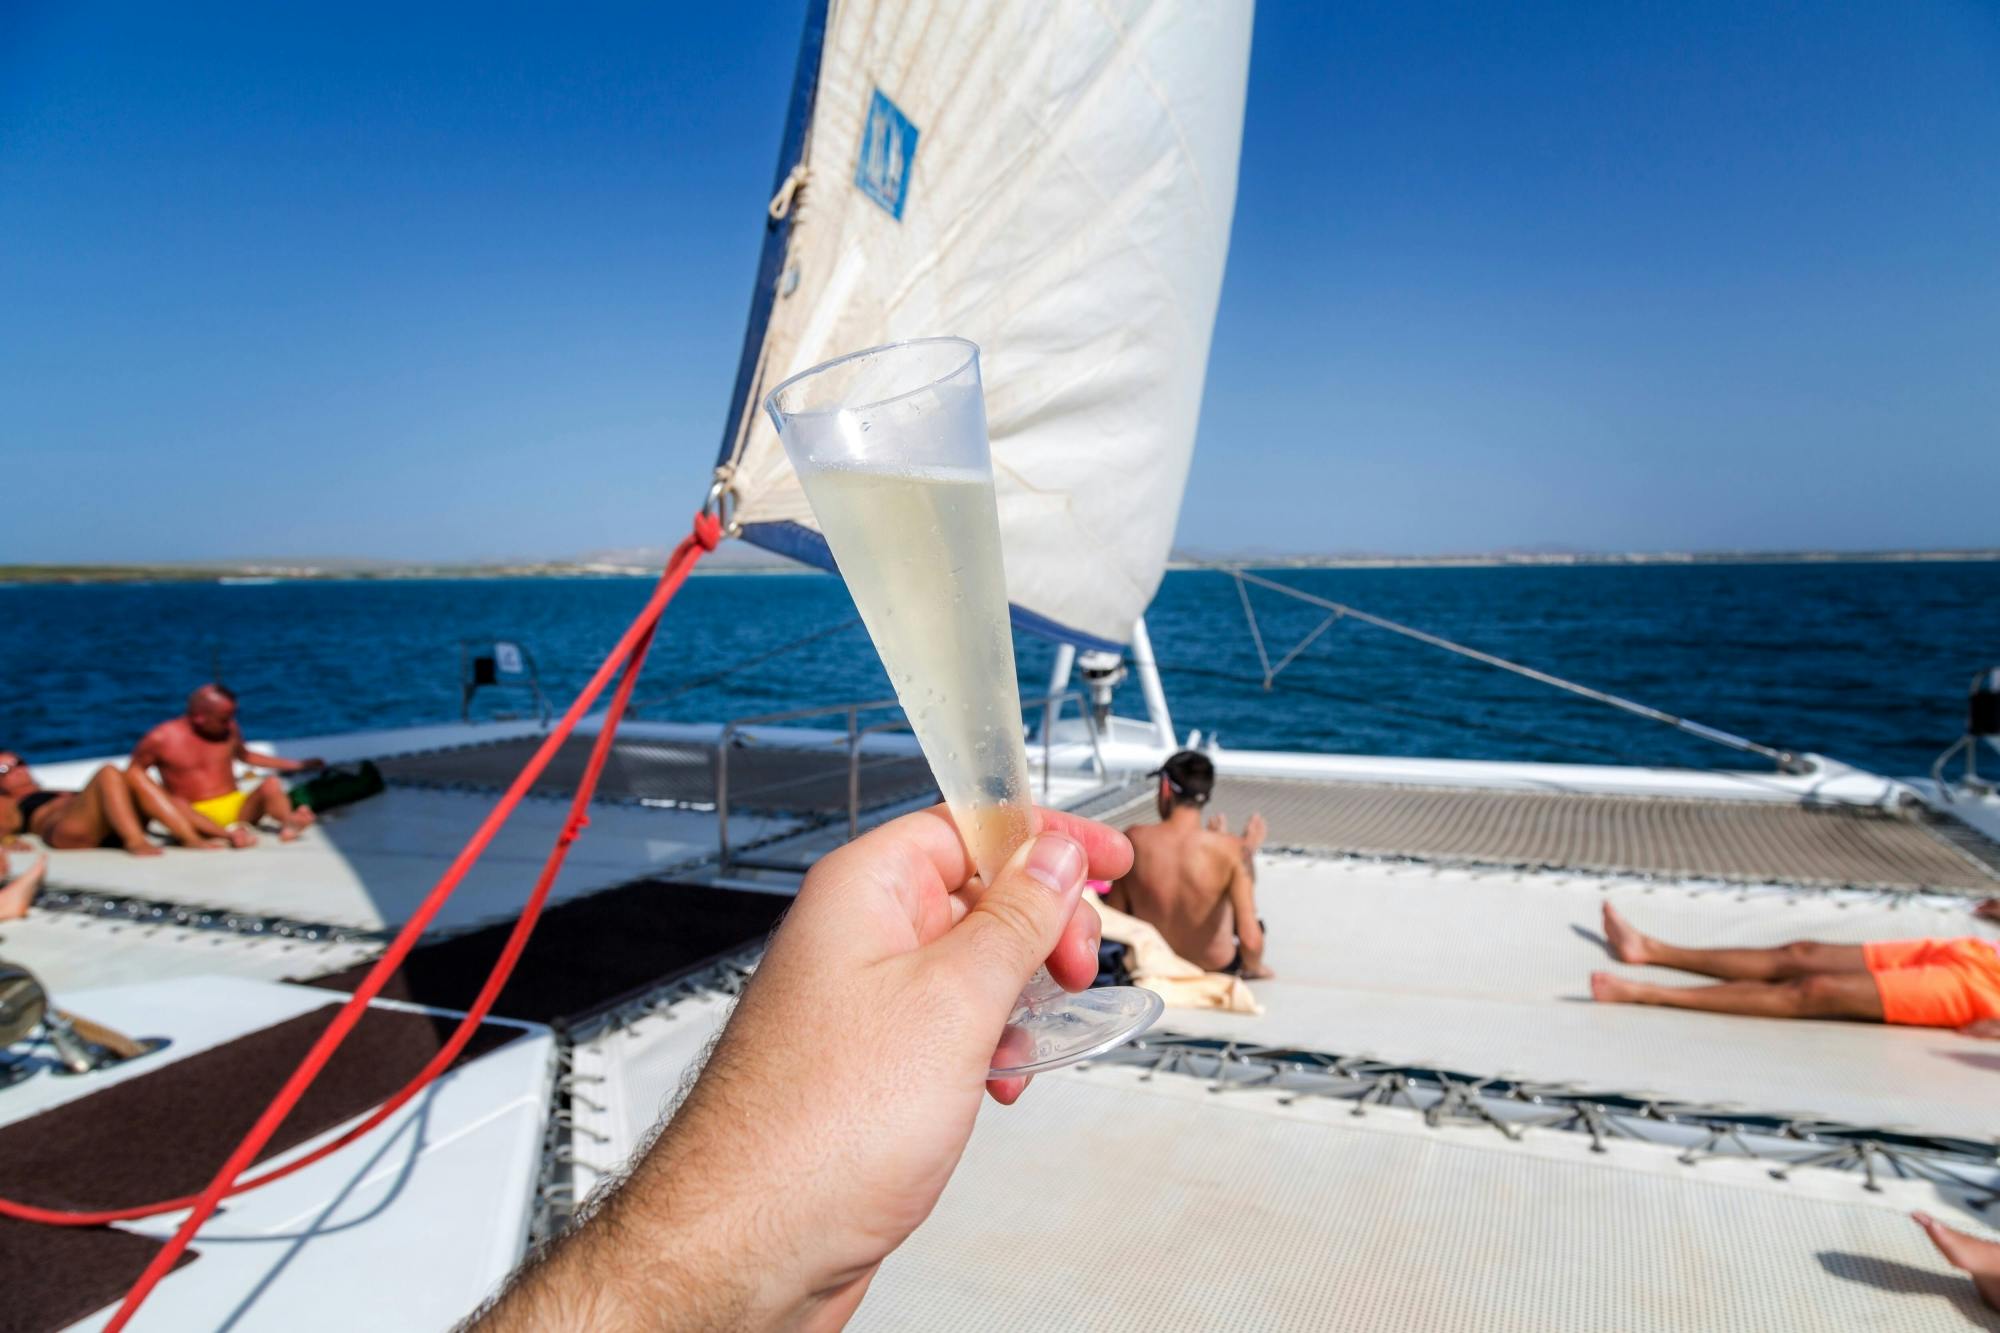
1190,776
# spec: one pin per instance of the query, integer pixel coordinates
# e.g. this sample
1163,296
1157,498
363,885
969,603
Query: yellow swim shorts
225,809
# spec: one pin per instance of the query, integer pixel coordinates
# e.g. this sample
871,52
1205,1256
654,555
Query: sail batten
1055,182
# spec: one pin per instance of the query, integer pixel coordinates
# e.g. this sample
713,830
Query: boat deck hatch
159,1136
586,955
55,1276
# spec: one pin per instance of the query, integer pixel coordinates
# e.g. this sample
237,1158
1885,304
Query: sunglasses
8,766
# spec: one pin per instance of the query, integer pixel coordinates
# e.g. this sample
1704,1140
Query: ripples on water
1868,663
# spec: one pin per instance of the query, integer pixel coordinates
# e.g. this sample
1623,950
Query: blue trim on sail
794,540
801,543
777,233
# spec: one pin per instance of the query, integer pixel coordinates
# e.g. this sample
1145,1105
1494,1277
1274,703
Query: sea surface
1865,662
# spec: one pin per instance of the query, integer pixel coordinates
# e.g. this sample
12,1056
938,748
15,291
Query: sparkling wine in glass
890,446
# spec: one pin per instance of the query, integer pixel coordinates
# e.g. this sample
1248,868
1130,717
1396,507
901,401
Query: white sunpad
369,865
1486,973
411,1227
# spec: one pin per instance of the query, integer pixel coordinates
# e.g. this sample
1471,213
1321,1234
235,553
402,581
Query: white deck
69,951
1486,973
369,865
1104,1200
410,1228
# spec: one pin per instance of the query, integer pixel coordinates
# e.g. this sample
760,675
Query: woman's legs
104,809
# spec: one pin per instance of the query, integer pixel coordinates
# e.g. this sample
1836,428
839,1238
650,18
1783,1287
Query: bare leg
103,809
272,799
1822,995
177,819
1979,1258
1802,958
21,890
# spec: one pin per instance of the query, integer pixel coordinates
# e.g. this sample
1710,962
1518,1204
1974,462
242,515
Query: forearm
642,1263
680,1244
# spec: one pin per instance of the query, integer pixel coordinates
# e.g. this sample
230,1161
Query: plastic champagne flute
890,446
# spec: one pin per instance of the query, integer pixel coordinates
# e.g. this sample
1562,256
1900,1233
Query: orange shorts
1935,983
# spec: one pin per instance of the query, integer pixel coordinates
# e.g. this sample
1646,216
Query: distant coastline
1558,559
758,563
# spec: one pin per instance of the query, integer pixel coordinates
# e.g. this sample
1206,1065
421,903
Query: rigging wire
1786,761
714,677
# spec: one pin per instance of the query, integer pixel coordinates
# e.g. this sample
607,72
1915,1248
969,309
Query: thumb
1017,920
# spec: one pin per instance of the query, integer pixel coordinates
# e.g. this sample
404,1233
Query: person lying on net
110,811
839,1097
197,753
1197,886
1939,983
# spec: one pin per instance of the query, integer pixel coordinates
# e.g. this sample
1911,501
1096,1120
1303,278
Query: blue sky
399,281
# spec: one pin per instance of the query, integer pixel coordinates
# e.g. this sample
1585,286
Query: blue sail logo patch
888,151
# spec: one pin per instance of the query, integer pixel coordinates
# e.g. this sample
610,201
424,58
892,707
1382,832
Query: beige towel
1154,964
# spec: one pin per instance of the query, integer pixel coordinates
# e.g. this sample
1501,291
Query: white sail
1054,181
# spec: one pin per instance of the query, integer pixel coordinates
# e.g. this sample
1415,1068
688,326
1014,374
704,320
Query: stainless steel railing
1052,714
730,730
856,737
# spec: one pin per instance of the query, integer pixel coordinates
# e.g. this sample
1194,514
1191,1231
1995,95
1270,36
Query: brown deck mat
587,953
1750,841
54,1276
762,777
163,1134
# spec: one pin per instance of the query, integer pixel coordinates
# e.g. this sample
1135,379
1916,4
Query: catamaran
1422,1123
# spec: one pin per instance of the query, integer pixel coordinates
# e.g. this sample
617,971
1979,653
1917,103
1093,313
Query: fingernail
1055,862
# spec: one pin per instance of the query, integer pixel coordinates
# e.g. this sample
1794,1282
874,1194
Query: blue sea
1865,662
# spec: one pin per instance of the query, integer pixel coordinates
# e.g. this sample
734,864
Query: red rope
625,659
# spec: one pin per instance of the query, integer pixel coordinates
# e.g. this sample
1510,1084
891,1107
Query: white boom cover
1056,183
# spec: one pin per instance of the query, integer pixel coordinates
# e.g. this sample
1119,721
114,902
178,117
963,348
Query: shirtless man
197,754
1195,885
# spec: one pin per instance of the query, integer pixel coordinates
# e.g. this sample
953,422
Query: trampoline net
1744,841
764,777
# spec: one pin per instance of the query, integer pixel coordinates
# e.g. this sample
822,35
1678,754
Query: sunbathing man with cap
1197,886
197,754
1948,983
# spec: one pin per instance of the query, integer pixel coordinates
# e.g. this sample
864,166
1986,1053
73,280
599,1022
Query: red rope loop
625,662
